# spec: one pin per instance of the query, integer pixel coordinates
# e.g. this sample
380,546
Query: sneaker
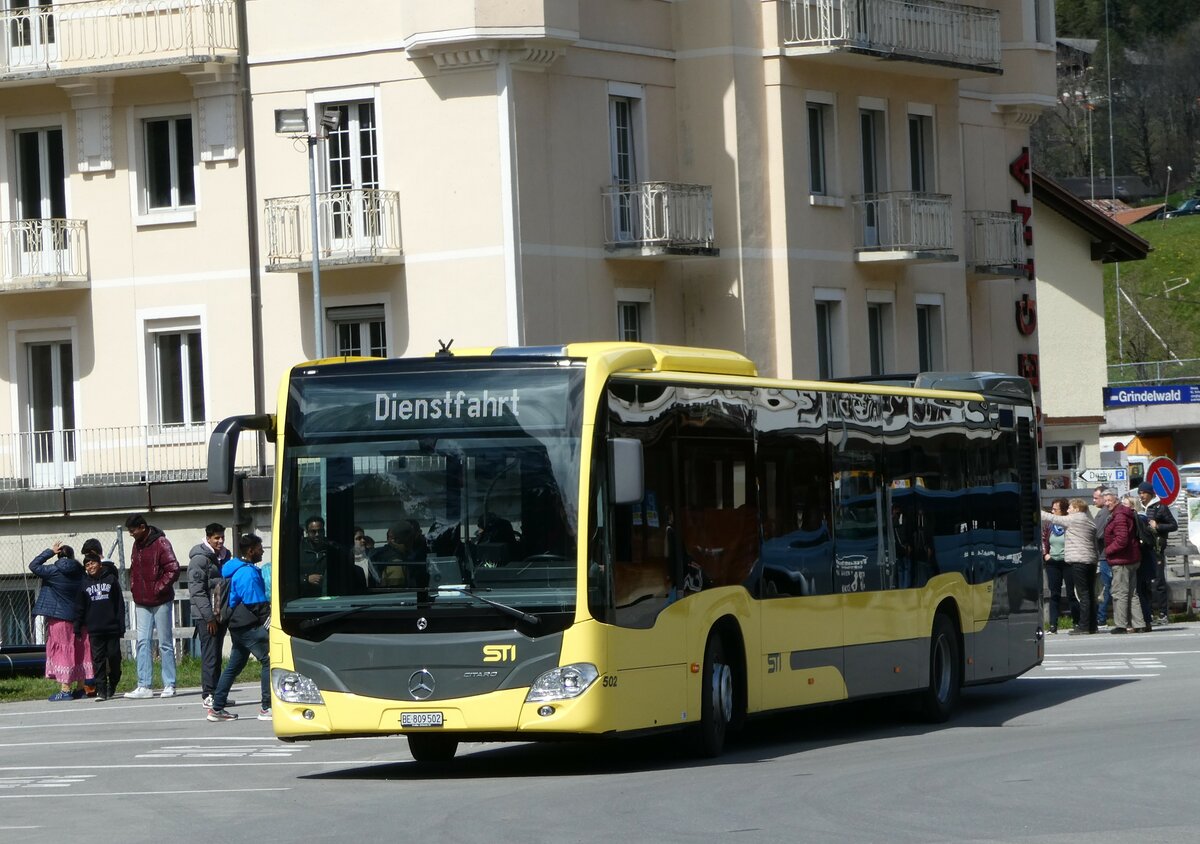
100,697
168,691
221,715
264,714
140,693
206,701
1162,619
58,697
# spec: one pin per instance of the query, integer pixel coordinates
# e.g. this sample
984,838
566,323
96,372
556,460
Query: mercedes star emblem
422,623
420,685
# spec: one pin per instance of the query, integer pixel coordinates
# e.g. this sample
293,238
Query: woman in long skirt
68,652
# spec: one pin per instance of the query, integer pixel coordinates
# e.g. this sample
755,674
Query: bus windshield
448,492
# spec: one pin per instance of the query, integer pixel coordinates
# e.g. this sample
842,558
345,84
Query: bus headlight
291,687
563,683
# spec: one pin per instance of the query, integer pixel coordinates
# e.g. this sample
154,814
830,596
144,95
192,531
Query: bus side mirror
625,470
222,447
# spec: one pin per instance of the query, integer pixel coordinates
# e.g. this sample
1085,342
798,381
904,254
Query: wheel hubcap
722,692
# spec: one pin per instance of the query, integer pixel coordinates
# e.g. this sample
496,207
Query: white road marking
105,723
50,781
239,764
149,739
186,751
144,793
1092,677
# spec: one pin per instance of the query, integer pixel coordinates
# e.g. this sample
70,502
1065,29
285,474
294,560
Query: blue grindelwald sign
1172,394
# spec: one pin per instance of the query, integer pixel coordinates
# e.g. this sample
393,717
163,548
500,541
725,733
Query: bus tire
939,700
432,747
716,699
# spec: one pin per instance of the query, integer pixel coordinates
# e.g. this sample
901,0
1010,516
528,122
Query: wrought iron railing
354,226
43,253
904,221
663,214
1154,372
927,29
134,454
995,239
98,32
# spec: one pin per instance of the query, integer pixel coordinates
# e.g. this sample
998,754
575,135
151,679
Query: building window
829,332
177,373
930,355
879,336
819,126
1063,457
359,331
874,150
169,163
625,157
920,152
633,315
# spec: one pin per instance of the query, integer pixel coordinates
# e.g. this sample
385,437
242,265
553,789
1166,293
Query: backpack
219,590
1146,534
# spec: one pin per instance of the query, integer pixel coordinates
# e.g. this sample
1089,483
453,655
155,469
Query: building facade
832,188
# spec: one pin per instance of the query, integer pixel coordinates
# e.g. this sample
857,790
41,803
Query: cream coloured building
833,187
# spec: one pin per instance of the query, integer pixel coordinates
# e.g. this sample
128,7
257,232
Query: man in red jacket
153,571
1123,554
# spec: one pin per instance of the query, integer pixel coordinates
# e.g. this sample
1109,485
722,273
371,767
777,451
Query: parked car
22,661
1186,208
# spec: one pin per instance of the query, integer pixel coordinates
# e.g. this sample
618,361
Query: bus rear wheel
431,747
939,700
716,699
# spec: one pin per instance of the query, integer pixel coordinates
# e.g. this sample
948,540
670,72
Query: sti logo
499,653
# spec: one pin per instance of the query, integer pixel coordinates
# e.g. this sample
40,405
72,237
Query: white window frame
636,95
8,154
1056,449
832,300
150,324
927,122
881,141
369,313
935,304
643,300
362,300
137,117
883,304
22,333
317,100
826,105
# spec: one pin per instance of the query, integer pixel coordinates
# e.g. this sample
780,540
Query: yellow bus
614,538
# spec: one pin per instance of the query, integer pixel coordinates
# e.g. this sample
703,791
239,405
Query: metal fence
664,214
995,239
43,253
926,28
87,34
132,454
1154,372
904,221
354,225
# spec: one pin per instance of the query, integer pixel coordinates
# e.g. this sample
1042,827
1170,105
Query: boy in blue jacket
250,611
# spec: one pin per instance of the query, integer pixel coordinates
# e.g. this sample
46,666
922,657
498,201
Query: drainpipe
256,328
510,202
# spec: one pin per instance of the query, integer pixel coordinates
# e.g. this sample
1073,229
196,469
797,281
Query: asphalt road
1100,744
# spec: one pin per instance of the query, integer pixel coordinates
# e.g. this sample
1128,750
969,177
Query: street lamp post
293,122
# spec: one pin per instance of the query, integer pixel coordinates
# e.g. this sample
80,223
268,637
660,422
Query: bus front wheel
945,671
431,747
716,699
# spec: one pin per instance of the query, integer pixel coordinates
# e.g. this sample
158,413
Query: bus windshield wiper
528,618
322,620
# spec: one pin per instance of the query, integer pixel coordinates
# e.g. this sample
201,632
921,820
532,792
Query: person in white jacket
1080,552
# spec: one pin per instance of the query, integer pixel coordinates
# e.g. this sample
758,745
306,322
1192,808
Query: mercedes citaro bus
613,538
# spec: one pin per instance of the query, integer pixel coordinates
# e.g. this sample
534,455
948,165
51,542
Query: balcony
936,38
995,243
43,255
124,36
356,228
108,457
904,227
657,220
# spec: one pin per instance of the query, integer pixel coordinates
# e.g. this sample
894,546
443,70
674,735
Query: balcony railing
68,37
135,454
43,255
659,218
356,227
995,242
918,29
904,222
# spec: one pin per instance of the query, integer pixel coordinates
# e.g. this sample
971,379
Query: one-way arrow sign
1104,476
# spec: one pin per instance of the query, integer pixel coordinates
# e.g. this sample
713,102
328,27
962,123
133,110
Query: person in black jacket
1162,520
102,612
